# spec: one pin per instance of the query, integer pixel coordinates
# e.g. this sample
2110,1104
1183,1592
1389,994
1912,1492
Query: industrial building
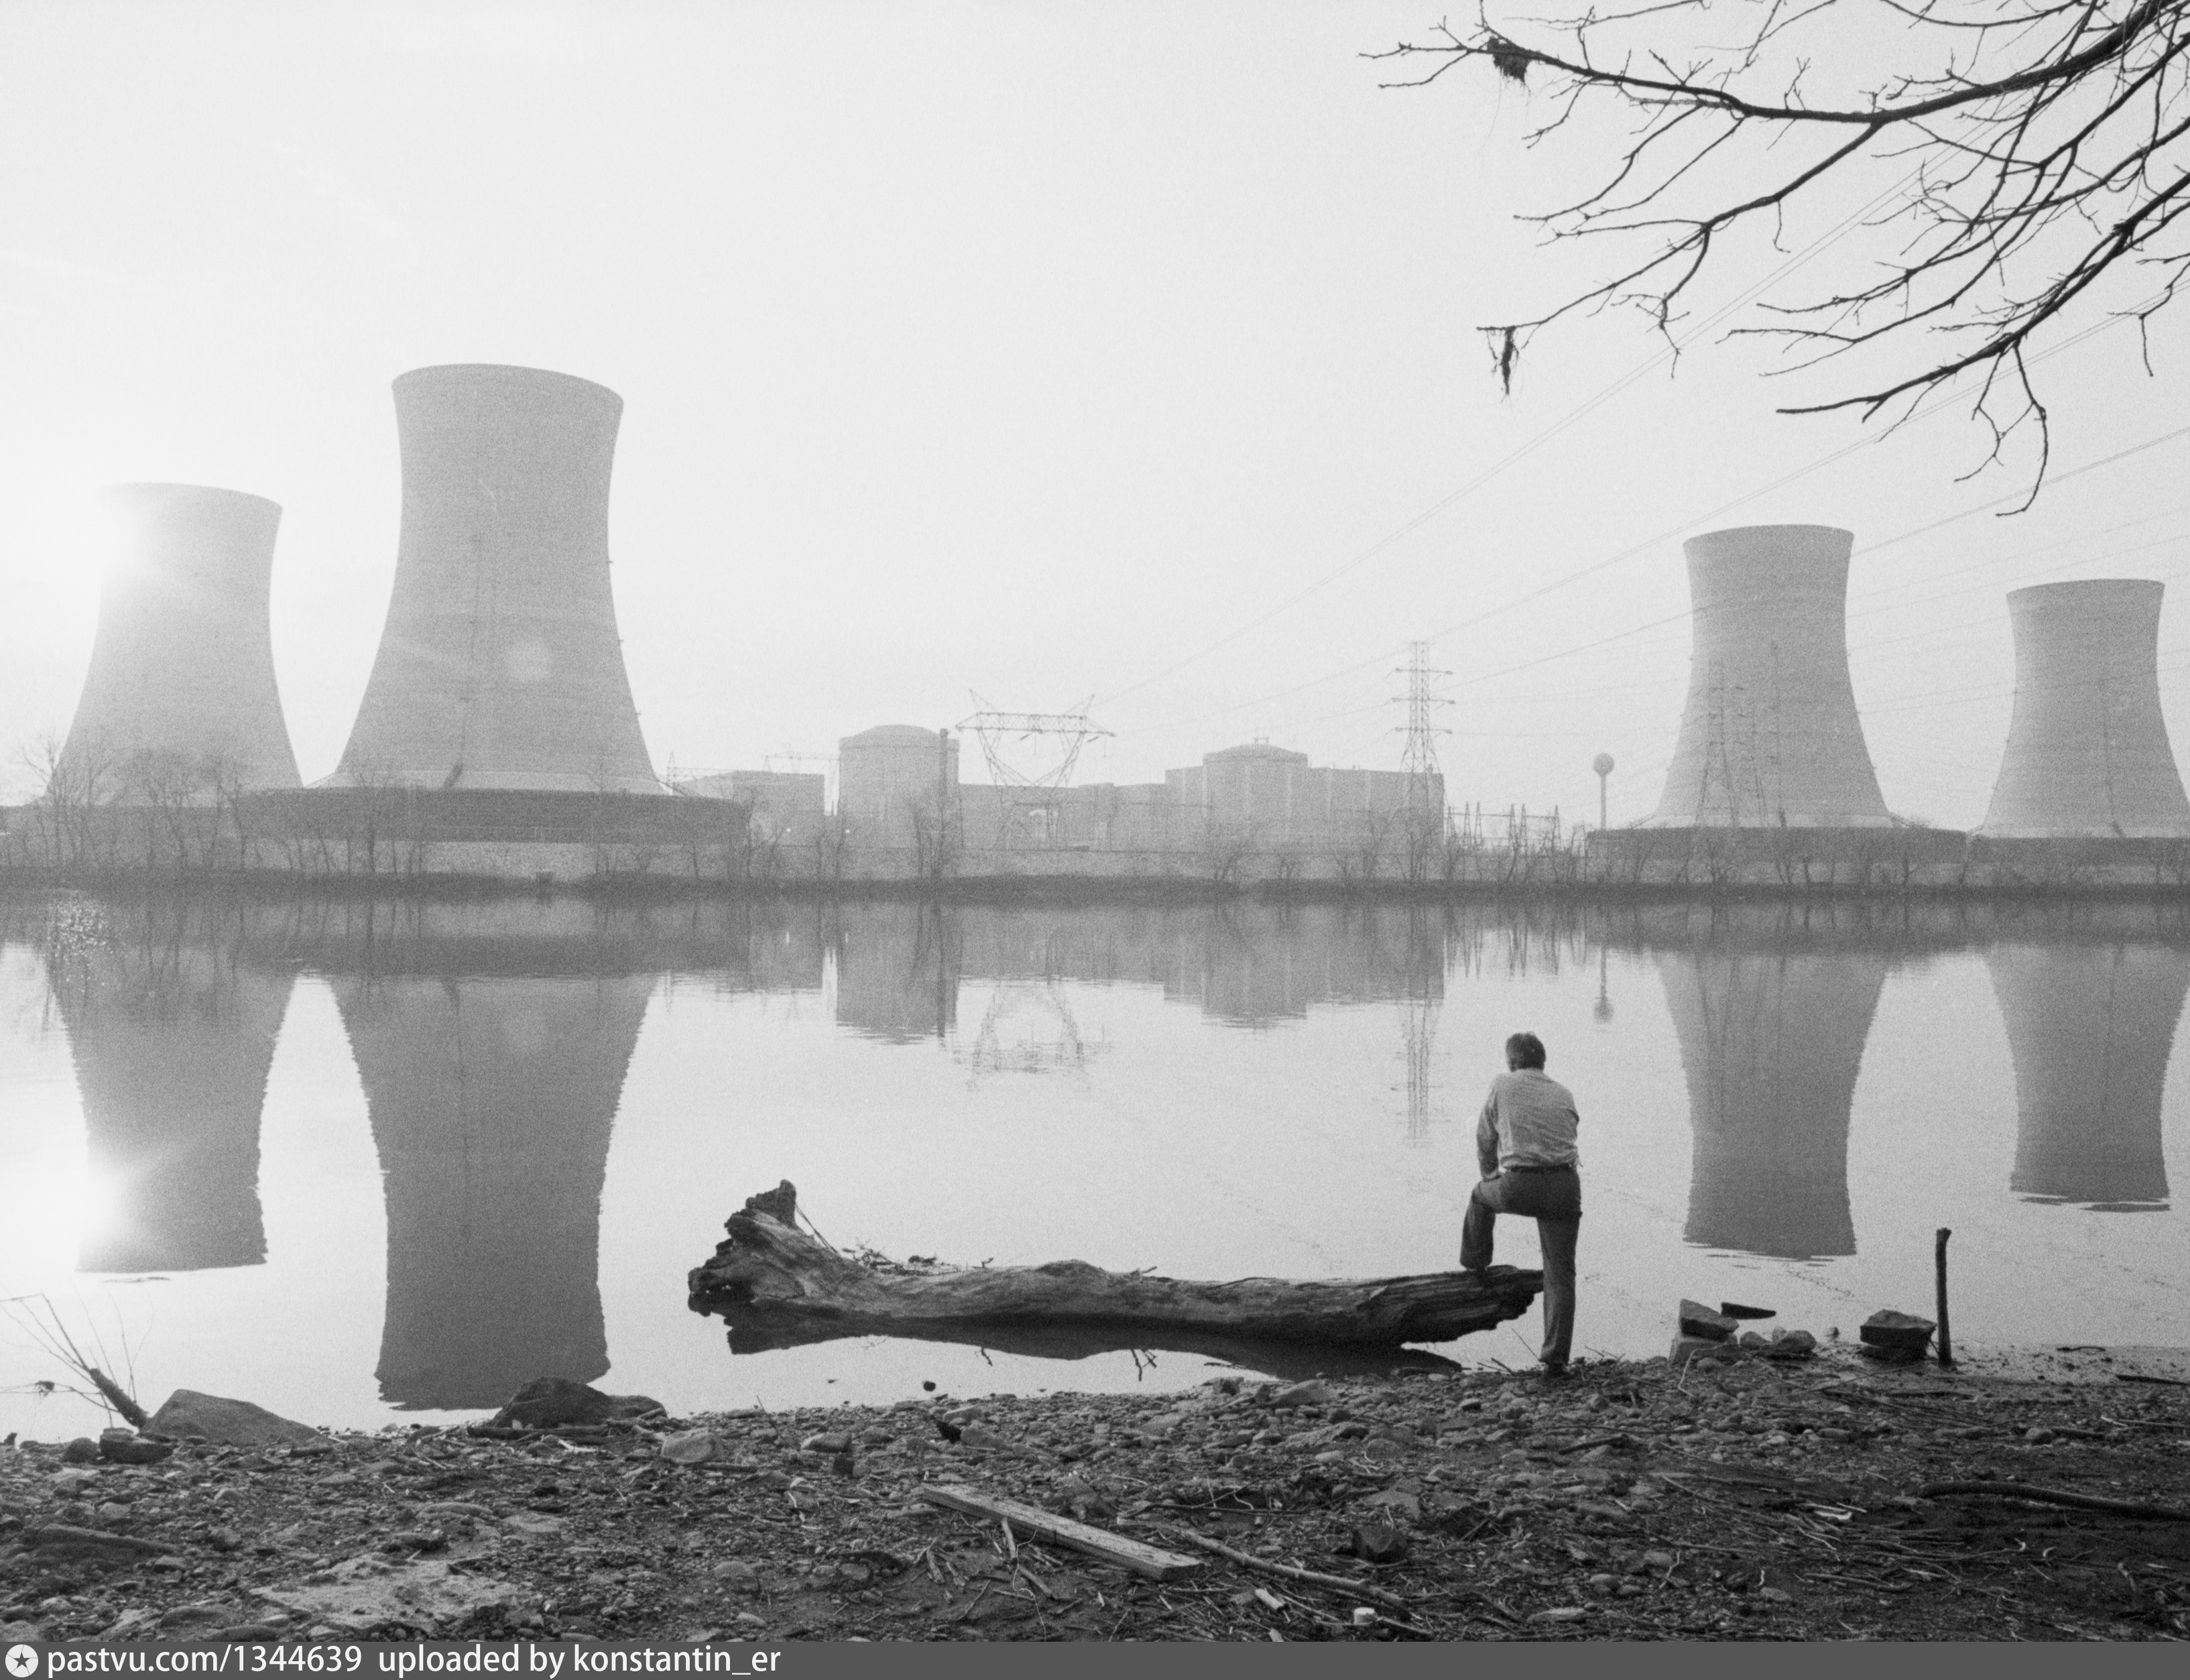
897,787
499,666
180,698
1268,797
788,809
2087,750
1769,735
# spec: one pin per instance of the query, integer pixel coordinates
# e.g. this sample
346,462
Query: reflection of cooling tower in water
1771,1043
2090,1029
491,1104
172,1046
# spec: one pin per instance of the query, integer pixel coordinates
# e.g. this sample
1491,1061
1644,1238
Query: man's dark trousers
1551,1196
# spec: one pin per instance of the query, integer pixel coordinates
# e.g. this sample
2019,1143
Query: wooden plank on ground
1029,1519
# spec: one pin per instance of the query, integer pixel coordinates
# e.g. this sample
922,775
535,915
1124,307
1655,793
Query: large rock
1904,1334
231,1424
1698,1320
550,1402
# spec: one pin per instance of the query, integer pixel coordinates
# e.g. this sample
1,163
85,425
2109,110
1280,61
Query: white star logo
22,1662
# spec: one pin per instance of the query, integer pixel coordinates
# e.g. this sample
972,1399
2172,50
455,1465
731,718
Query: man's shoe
1550,1372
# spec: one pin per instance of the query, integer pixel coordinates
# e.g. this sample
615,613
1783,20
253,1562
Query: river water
369,1162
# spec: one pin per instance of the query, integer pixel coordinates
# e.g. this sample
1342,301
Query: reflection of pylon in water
1065,1051
1419,1027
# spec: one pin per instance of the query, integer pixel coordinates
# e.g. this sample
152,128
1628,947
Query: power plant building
896,784
181,688
1268,797
787,808
2087,750
1769,735
500,665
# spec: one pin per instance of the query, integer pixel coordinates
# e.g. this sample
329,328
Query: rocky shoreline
1755,1498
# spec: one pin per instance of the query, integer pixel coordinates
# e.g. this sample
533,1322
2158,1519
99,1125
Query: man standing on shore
1525,1144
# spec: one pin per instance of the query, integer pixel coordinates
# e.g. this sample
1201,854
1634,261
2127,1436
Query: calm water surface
363,1163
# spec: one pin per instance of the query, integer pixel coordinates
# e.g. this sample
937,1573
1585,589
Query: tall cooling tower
1771,1043
2089,1027
183,664
1769,737
492,1101
500,666
2087,753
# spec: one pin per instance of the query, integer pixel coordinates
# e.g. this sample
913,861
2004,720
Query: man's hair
1526,1048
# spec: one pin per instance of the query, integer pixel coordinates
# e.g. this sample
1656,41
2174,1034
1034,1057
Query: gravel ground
1754,1500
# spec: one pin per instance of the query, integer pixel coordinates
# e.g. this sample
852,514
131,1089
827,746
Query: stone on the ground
21,1633
1699,1320
1897,1332
126,1446
1735,1309
1379,1543
834,1441
687,1446
1312,1392
550,1402
736,1572
368,1592
81,1450
1688,1347
1791,1344
225,1422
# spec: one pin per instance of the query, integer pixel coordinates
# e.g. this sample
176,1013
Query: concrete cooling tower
491,1102
172,1045
1771,1043
499,666
2090,1029
182,668
1769,736
2087,752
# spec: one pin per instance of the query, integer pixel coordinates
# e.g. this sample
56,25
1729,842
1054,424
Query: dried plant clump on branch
2033,149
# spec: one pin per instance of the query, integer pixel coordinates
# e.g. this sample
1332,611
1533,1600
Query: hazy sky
1036,350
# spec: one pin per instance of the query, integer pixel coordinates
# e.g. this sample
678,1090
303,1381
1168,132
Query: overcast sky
1044,350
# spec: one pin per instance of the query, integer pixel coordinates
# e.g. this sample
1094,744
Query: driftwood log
780,1286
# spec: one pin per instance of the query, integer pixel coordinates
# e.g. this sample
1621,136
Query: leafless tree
2043,146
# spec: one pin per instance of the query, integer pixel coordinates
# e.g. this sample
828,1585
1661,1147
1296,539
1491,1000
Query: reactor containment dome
500,666
2087,750
181,688
1769,736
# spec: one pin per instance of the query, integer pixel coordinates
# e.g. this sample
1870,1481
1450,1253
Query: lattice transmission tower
1033,801
1419,759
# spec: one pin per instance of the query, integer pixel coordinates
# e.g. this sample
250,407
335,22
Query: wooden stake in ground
1939,1267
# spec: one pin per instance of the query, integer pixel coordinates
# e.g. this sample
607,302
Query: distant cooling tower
500,666
1770,737
182,665
2087,753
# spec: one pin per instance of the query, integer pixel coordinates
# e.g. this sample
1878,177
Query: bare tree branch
2047,147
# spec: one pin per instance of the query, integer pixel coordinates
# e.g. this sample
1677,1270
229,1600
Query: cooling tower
2090,1029
491,1102
2087,753
182,668
1769,737
499,666
1771,1043
171,1045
